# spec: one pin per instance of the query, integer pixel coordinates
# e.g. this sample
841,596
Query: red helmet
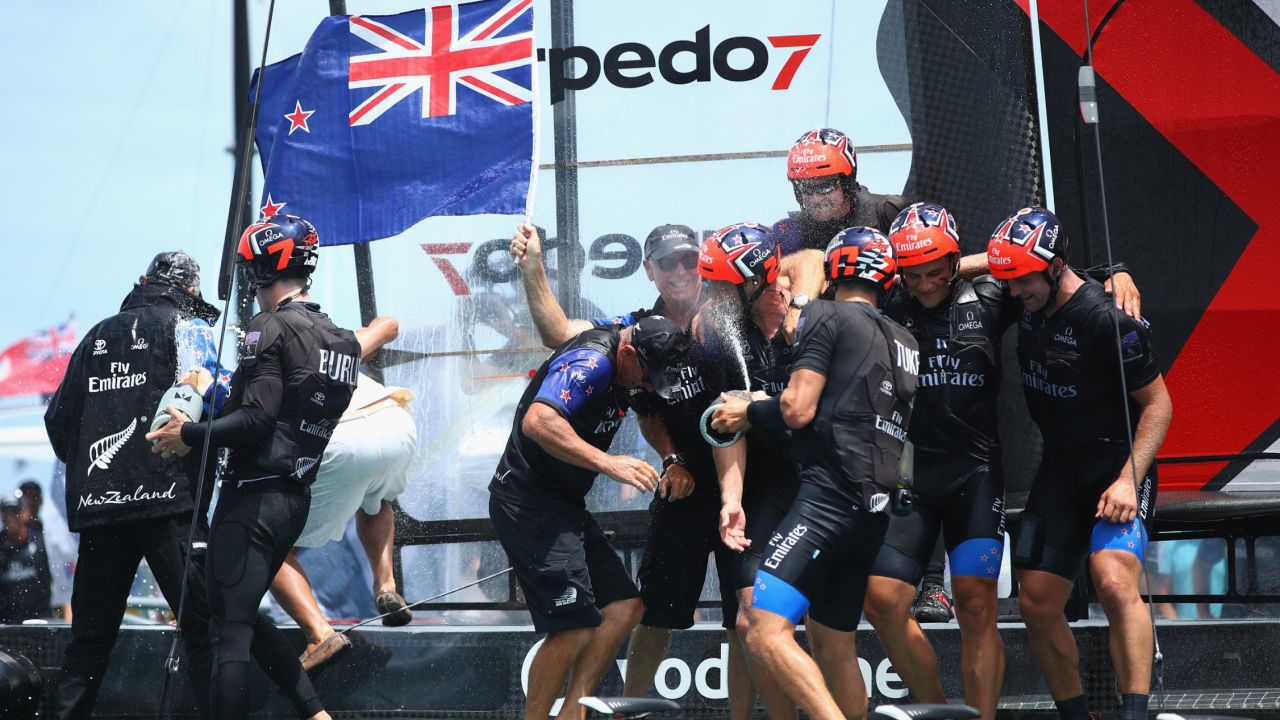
739,253
1026,242
861,253
822,153
276,245
922,233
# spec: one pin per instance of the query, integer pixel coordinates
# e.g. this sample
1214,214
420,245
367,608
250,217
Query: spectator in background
24,565
48,522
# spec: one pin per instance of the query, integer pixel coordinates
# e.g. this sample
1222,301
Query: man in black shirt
848,404
575,586
25,582
741,346
297,373
126,503
1094,389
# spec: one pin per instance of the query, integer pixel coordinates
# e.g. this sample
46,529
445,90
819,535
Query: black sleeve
261,369
817,335
62,419
1102,273
1138,361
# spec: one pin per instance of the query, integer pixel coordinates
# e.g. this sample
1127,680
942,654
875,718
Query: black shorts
819,559
563,562
764,512
963,499
674,566
1057,530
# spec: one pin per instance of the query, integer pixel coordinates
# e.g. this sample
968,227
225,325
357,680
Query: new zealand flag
384,121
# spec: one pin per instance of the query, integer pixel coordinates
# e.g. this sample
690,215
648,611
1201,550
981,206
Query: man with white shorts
365,468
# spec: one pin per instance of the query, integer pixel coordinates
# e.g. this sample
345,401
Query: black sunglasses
688,260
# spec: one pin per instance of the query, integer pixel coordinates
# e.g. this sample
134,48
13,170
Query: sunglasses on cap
821,186
687,260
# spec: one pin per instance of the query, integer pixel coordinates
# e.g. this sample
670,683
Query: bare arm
553,433
971,266
380,331
800,400
804,269
731,463
676,482
1119,503
548,317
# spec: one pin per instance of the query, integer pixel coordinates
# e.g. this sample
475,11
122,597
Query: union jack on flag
403,66
385,120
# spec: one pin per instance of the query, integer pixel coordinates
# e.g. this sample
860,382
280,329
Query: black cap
174,268
663,347
666,239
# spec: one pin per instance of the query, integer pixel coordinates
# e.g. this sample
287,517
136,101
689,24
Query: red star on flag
994,550
1130,543
564,396
272,208
983,558
589,389
564,366
298,118
1125,531
991,570
591,363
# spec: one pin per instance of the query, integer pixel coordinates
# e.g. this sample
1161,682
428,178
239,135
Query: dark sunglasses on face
815,187
687,260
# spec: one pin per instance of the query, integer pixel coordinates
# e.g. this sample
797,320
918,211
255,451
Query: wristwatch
672,459
799,300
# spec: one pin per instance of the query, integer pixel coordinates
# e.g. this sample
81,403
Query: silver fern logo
103,451
303,465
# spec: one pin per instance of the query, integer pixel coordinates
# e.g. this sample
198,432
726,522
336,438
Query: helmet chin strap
1054,283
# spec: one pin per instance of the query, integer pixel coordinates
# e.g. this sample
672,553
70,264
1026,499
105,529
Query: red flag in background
35,365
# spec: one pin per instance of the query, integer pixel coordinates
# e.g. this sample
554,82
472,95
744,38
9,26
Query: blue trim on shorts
779,597
1128,537
977,557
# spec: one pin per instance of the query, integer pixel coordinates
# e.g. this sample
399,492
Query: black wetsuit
798,231
770,480
296,376
819,557
957,480
565,565
1071,372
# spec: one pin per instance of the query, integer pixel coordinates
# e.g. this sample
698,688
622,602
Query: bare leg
1042,597
776,703
1115,575
551,667
742,695
620,618
981,650
772,643
377,535
836,652
292,590
888,608
645,652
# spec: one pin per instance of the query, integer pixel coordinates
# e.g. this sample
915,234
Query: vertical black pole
240,205
242,195
569,256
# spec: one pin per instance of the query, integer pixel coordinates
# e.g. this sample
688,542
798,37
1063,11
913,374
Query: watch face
800,300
